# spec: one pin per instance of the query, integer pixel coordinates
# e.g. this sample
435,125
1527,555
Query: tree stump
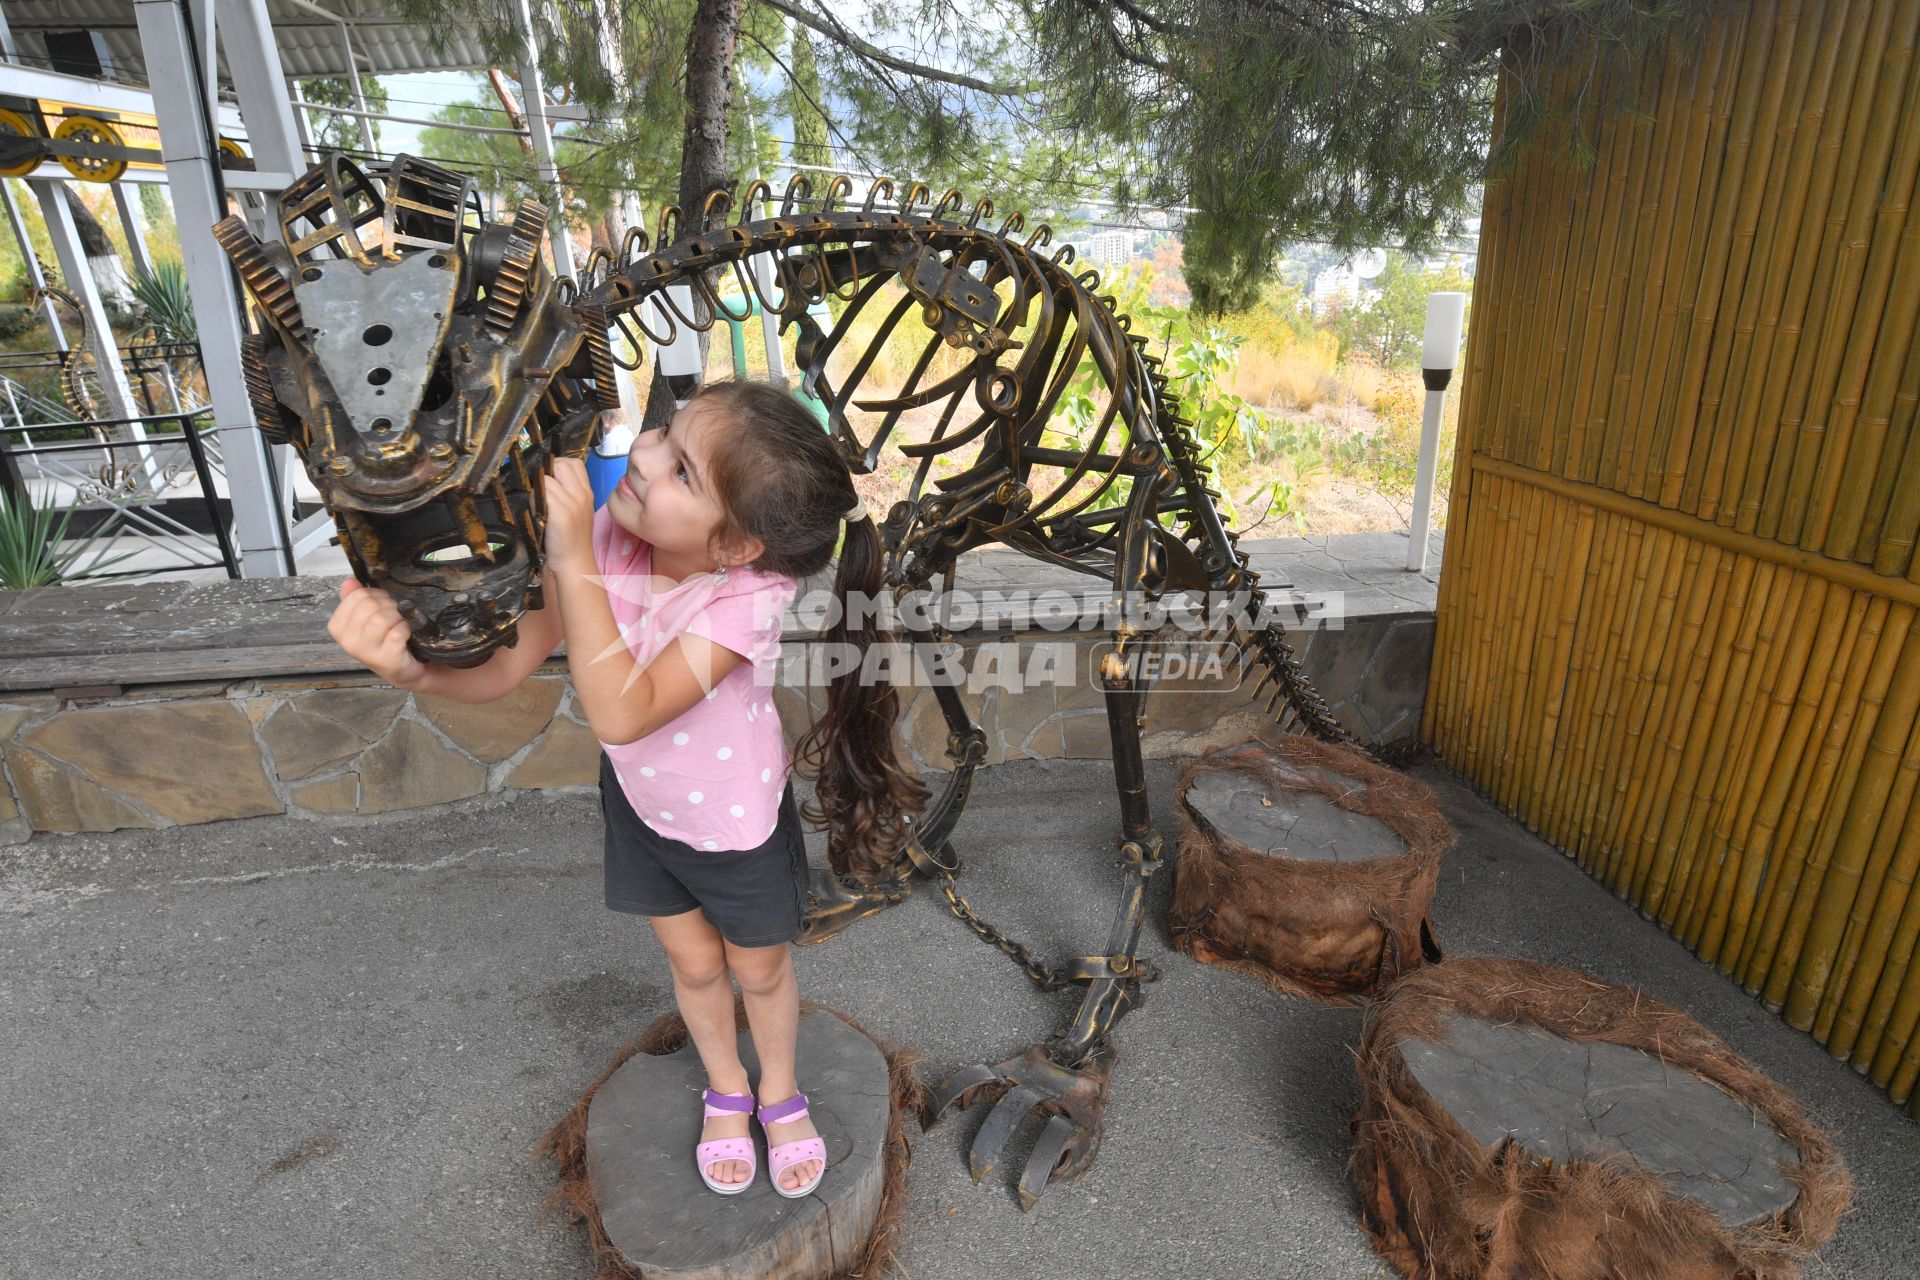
1307,865
1520,1119
642,1126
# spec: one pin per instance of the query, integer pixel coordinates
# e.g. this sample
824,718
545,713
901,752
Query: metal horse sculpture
1128,503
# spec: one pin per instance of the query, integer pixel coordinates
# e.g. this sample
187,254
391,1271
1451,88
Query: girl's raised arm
367,624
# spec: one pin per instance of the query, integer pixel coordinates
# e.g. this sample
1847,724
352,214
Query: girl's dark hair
781,479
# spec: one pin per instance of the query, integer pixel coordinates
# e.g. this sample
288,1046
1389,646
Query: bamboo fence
1679,623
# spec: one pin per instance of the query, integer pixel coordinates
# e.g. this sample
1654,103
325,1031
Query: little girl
670,600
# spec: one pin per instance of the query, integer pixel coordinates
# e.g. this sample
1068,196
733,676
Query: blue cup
607,460
604,474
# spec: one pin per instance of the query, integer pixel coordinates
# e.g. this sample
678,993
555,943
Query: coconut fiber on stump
1522,1121
1306,865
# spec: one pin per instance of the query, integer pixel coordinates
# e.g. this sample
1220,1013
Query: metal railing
130,487
166,377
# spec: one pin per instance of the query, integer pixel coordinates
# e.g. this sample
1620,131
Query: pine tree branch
1098,13
813,102
829,26
1152,23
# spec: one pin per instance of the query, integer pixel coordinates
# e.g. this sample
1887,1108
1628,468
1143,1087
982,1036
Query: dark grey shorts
754,897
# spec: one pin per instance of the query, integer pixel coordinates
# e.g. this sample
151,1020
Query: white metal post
99,325
136,231
253,61
1440,353
761,264
79,278
273,131
679,360
301,121
534,91
202,31
185,133
35,277
1424,470
631,411
359,95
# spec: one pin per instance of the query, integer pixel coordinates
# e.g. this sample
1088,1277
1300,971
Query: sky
419,96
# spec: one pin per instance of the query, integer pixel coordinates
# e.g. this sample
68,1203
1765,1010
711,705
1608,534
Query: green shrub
35,550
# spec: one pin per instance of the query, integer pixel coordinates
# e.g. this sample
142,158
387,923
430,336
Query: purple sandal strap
728,1101
781,1112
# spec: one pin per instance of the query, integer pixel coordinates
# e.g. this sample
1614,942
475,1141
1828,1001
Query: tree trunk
511,105
109,273
703,148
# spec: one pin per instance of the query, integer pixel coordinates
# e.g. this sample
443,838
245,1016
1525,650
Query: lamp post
1445,311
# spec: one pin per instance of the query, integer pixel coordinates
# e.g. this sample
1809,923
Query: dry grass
1299,376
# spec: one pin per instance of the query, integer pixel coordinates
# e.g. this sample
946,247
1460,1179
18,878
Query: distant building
1337,284
1109,248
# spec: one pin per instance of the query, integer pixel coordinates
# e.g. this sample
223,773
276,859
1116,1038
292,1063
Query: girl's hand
367,624
569,497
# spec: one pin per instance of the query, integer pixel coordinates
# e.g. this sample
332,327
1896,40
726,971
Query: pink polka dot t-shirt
713,777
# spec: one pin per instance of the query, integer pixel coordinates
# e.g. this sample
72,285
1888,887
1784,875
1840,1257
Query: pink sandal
711,1153
788,1154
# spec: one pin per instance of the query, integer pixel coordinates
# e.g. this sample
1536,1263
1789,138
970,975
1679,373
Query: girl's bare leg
772,996
697,955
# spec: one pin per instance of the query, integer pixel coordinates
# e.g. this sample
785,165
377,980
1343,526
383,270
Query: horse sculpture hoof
835,903
1074,1100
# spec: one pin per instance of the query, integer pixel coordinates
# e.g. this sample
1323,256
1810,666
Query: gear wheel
267,414
600,351
508,292
270,289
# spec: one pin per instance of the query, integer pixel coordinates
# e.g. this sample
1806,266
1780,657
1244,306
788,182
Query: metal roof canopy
307,37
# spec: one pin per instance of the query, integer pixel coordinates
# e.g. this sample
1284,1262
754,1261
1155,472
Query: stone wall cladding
343,745
323,747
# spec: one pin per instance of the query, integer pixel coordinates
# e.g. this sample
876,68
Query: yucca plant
168,306
35,550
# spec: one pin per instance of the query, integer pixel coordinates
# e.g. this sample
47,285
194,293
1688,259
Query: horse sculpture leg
1066,1078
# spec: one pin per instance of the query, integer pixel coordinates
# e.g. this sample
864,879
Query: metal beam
192,172
359,96
301,120
38,82
312,533
534,93
35,277
253,62
136,229
77,273
100,340
435,124
54,171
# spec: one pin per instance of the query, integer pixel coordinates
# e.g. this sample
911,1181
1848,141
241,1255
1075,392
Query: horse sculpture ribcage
1125,500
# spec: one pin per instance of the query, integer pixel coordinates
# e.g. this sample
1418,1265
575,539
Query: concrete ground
276,1047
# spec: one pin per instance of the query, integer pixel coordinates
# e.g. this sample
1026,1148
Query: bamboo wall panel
1679,621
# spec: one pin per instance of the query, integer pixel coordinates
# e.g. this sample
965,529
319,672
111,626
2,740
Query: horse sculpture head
427,368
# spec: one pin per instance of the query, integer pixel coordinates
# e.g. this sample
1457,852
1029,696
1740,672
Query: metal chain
1046,978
